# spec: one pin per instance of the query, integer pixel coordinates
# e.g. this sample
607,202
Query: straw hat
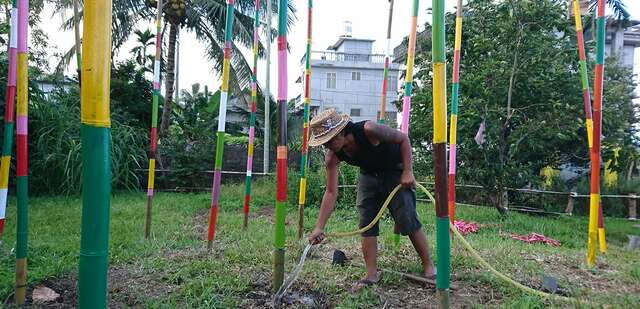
325,126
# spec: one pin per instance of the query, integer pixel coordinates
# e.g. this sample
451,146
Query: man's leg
370,252
419,241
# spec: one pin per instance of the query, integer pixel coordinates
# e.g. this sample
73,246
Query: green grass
173,270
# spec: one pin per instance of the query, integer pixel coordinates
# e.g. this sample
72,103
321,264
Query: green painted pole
443,241
95,132
222,115
281,152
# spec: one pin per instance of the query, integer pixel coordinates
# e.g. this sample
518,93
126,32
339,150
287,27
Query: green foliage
519,74
55,156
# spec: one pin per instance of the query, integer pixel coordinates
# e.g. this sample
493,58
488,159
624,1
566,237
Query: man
384,157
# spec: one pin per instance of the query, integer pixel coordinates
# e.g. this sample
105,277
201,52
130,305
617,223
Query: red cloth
536,238
465,228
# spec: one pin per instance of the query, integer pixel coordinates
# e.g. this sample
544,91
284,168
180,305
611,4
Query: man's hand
407,180
317,236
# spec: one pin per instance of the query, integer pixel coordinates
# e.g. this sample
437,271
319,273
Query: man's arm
329,199
377,133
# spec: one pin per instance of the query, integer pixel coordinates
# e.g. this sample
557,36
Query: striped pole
455,85
281,151
22,106
222,115
153,136
443,250
408,81
304,157
385,72
96,164
252,117
586,98
408,86
8,117
595,223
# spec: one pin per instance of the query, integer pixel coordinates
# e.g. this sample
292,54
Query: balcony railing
344,57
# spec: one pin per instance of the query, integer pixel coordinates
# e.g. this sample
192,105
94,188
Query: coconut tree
204,18
144,40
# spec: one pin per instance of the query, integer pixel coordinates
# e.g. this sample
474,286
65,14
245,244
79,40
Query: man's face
336,143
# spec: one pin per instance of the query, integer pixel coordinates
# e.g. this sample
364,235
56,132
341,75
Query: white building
348,77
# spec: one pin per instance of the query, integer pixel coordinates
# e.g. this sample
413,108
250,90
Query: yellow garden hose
464,242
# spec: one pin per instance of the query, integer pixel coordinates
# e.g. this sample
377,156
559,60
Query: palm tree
619,8
205,18
145,39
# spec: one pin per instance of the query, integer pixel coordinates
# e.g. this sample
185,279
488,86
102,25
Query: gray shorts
373,189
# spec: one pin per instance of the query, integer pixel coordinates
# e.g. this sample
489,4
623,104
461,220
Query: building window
331,80
392,84
355,75
355,112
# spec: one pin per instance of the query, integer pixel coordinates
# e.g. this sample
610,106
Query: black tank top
384,157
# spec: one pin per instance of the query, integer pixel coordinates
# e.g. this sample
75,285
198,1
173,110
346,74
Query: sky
328,19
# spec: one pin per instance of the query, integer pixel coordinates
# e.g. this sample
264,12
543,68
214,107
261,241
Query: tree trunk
169,80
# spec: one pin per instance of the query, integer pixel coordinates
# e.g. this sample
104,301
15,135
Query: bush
55,153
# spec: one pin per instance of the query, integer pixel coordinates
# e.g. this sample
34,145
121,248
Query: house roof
342,39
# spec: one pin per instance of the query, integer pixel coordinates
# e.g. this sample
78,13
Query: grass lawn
173,269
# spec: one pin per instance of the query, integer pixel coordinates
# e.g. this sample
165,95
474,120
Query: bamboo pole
222,115
22,106
153,134
408,87
96,174
595,221
455,85
267,95
586,98
281,152
385,73
304,157
443,250
9,117
252,117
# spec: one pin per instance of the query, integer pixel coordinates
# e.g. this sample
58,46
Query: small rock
550,284
43,294
634,242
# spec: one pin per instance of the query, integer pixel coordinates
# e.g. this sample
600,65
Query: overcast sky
369,22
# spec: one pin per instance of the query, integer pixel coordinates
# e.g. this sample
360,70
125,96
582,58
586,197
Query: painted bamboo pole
408,81
455,85
252,116
95,132
408,86
385,72
153,134
222,115
281,151
267,95
9,117
586,98
22,107
595,223
304,157
443,250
